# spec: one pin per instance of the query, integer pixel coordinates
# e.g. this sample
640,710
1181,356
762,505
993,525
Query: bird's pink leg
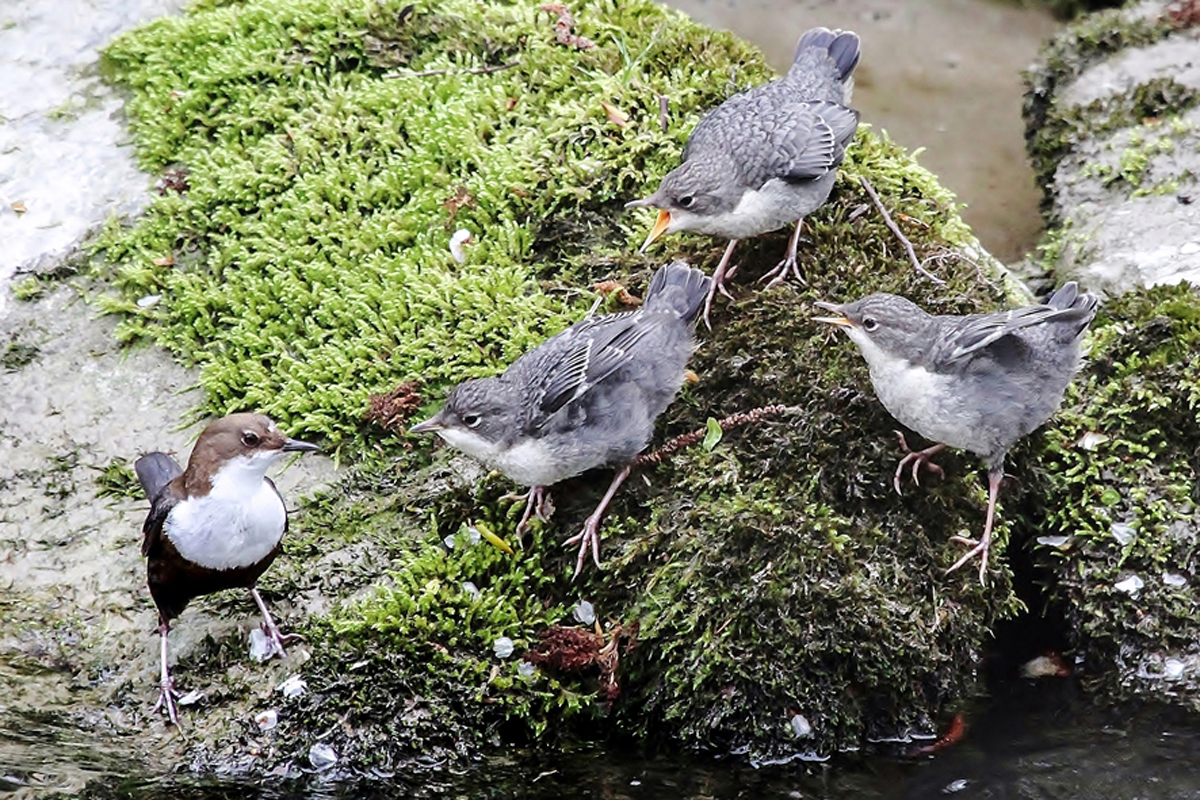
591,528
918,459
166,689
789,262
980,548
271,629
718,281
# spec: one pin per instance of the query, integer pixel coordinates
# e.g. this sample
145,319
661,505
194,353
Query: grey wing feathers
155,471
594,352
817,140
1066,306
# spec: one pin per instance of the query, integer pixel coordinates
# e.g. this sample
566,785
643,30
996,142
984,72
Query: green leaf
713,436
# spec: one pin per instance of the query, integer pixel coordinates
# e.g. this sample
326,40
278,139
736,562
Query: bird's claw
590,535
537,503
166,699
780,273
978,548
918,458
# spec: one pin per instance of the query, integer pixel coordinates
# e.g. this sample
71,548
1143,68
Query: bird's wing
160,509
812,140
155,472
975,333
595,349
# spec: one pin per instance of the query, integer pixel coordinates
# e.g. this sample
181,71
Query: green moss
1118,474
117,481
28,288
306,266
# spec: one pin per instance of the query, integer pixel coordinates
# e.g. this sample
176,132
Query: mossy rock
1116,488
330,149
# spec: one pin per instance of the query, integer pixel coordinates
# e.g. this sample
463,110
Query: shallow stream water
1032,742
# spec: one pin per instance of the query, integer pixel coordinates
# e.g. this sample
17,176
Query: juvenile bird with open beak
978,382
585,398
216,525
766,157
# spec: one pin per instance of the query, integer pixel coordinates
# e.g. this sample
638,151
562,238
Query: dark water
1032,742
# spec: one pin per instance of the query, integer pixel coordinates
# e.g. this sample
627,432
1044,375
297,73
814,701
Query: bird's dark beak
431,425
841,320
297,446
660,225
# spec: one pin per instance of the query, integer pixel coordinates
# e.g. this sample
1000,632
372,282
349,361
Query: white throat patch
237,523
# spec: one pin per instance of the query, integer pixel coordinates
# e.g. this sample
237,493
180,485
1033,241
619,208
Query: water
1034,741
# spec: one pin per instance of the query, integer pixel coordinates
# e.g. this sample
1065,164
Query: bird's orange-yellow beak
841,320
660,225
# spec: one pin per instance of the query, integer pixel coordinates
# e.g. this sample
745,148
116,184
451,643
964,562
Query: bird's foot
278,639
589,536
918,459
779,274
166,700
978,548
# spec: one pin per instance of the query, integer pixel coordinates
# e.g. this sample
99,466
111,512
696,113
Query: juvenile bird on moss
766,157
978,382
216,525
585,398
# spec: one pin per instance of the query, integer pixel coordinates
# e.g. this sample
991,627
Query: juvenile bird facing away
585,398
978,382
766,157
216,525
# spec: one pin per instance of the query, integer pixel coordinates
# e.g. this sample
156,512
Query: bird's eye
686,201
869,323
250,438
471,420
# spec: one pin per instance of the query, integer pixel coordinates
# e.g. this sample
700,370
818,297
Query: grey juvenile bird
216,525
585,398
978,382
766,157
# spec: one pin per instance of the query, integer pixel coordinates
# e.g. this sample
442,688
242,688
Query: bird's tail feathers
155,471
841,46
1073,306
678,287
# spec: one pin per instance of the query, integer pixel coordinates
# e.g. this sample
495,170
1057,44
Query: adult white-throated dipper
216,525
978,382
766,157
585,398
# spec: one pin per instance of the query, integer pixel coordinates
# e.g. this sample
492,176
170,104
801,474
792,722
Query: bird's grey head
477,417
695,192
242,443
882,325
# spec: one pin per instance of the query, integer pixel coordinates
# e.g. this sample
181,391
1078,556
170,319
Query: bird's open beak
431,425
297,446
660,225
841,320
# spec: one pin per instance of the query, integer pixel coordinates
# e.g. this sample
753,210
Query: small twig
664,119
887,218
471,71
689,439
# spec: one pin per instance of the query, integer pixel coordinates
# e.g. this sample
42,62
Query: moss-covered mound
1116,487
319,155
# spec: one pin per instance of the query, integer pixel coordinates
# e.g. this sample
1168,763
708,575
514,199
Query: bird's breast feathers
227,529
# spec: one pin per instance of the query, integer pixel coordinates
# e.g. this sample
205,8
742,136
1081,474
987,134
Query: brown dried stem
689,439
